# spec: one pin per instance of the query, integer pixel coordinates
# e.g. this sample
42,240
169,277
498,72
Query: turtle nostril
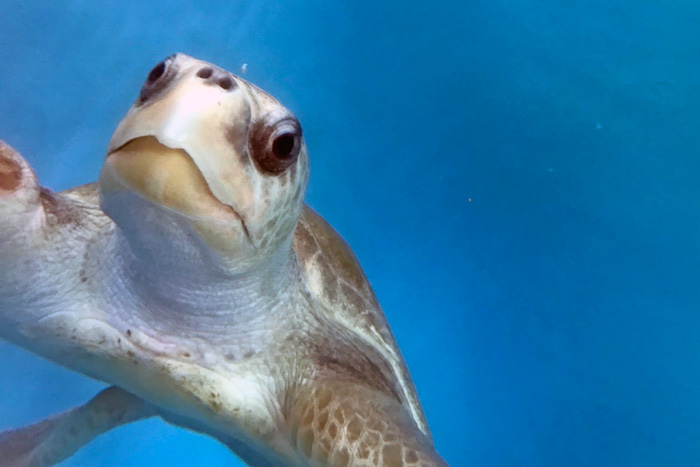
216,77
225,83
205,72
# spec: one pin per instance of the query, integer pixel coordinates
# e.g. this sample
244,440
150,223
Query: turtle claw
10,173
19,188
15,173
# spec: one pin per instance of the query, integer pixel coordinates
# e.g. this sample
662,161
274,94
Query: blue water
552,320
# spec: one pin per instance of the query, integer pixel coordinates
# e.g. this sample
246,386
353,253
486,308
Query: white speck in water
244,68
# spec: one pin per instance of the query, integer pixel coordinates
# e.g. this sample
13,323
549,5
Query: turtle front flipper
46,300
344,424
59,437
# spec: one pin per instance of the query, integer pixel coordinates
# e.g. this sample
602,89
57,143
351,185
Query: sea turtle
194,279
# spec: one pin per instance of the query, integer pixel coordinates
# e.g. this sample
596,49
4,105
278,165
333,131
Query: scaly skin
42,293
193,278
335,425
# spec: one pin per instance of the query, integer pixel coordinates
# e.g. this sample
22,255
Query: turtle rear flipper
59,437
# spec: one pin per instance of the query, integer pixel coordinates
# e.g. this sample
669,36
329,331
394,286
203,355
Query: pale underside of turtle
194,280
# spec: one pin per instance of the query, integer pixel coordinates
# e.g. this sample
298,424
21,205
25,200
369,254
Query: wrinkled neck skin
170,281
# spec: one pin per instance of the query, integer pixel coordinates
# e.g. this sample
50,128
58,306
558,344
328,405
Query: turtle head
205,152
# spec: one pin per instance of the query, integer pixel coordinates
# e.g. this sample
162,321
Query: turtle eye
285,146
157,79
156,72
276,146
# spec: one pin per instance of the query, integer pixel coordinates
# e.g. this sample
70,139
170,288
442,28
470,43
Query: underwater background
519,179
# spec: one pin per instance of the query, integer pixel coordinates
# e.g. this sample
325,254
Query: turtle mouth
167,177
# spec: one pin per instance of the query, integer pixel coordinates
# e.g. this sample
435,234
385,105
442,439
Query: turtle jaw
168,178
164,176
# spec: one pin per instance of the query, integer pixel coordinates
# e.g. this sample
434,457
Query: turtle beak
163,175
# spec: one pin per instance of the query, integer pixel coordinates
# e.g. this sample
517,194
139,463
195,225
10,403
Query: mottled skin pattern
193,278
